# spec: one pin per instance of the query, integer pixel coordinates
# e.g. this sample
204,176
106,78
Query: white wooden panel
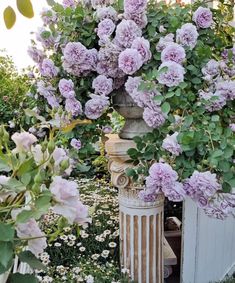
208,247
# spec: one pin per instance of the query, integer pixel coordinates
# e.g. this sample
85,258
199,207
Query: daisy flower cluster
90,254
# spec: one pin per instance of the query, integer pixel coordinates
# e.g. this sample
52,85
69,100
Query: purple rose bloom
147,195
174,192
75,53
170,143
36,55
162,176
130,61
105,28
106,13
213,101
187,35
164,41
69,3
226,89
102,85
107,129
132,84
143,47
126,32
45,37
154,118
202,182
203,17
66,88
99,3
75,143
140,19
108,61
173,52
53,101
48,69
215,212
96,106
232,127
135,6
173,76
48,16
45,89
73,106
211,69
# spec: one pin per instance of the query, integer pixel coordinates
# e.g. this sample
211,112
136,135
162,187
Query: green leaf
158,98
215,118
9,16
169,94
232,183
25,7
6,254
188,121
14,185
196,81
24,216
33,262
6,232
22,278
25,166
228,152
83,167
4,166
166,107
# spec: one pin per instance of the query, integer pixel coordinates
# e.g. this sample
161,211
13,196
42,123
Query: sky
17,40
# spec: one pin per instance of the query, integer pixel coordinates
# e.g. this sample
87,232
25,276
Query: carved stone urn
133,114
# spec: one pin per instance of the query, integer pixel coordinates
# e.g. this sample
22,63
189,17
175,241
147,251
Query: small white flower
95,256
71,243
105,253
89,279
82,249
57,244
112,244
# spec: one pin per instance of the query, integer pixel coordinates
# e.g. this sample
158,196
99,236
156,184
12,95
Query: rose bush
176,62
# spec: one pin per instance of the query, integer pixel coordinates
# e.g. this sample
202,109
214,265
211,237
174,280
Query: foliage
25,7
32,181
13,91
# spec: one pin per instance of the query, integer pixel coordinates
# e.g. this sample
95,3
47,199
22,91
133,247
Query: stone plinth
141,223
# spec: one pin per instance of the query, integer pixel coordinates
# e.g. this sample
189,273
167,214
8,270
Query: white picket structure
208,246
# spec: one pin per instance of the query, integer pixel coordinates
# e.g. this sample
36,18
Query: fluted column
141,223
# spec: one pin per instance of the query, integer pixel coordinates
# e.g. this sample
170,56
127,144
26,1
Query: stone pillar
141,223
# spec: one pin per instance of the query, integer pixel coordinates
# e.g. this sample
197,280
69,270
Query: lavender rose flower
126,32
75,53
36,55
154,118
213,101
232,126
102,85
132,84
170,143
143,47
66,88
107,129
105,28
47,41
130,61
211,69
161,176
202,182
48,69
140,19
99,3
106,13
69,3
96,106
73,106
226,89
75,143
48,16
203,17
52,100
135,6
175,192
174,74
164,41
173,52
23,141
147,195
187,35
44,89
30,229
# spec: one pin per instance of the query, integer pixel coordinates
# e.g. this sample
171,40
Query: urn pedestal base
141,223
